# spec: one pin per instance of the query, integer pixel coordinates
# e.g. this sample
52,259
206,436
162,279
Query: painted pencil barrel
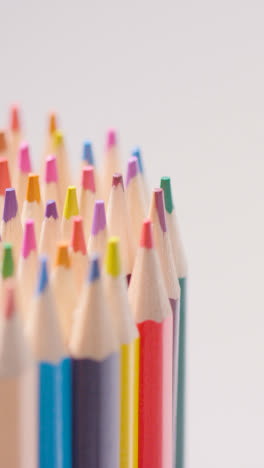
129,366
96,390
175,305
55,415
180,433
155,394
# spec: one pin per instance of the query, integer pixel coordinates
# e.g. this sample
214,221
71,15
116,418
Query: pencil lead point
51,174
57,138
113,259
165,183
94,272
159,202
51,209
71,204
132,169
14,118
111,138
23,160
4,176
88,182
78,241
146,234
43,274
3,143
63,258
99,218
29,239
87,154
52,123
8,263
117,180
33,190
137,153
10,205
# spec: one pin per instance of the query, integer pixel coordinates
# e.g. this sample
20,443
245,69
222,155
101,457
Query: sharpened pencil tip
57,138
117,180
77,240
87,154
51,174
51,209
14,119
137,153
111,138
94,272
146,234
63,258
23,160
88,182
113,258
29,239
132,169
4,176
33,190
71,204
43,274
9,303
52,123
165,184
10,205
8,263
99,218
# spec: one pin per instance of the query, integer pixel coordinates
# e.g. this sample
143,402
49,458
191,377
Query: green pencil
181,267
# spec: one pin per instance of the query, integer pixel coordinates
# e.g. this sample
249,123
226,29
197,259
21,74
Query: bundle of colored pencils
92,311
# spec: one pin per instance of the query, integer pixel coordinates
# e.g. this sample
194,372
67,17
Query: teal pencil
181,268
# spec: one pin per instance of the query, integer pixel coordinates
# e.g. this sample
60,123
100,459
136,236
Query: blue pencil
54,375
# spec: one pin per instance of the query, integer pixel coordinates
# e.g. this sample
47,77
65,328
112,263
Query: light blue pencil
54,376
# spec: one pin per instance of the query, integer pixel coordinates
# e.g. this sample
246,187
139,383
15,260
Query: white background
184,80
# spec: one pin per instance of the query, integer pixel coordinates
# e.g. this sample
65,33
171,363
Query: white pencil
119,223
136,203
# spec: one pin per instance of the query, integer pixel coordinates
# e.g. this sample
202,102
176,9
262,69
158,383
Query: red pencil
152,312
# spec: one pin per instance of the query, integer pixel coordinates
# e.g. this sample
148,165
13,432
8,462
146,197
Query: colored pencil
78,252
164,249
181,267
95,379
54,404
151,309
11,227
119,224
32,206
98,237
15,137
48,146
59,149
70,210
27,266
88,160
15,367
65,290
5,181
22,172
7,270
87,198
127,333
50,186
136,203
50,231
137,153
4,149
111,164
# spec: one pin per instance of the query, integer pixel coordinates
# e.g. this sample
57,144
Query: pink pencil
21,176
87,198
